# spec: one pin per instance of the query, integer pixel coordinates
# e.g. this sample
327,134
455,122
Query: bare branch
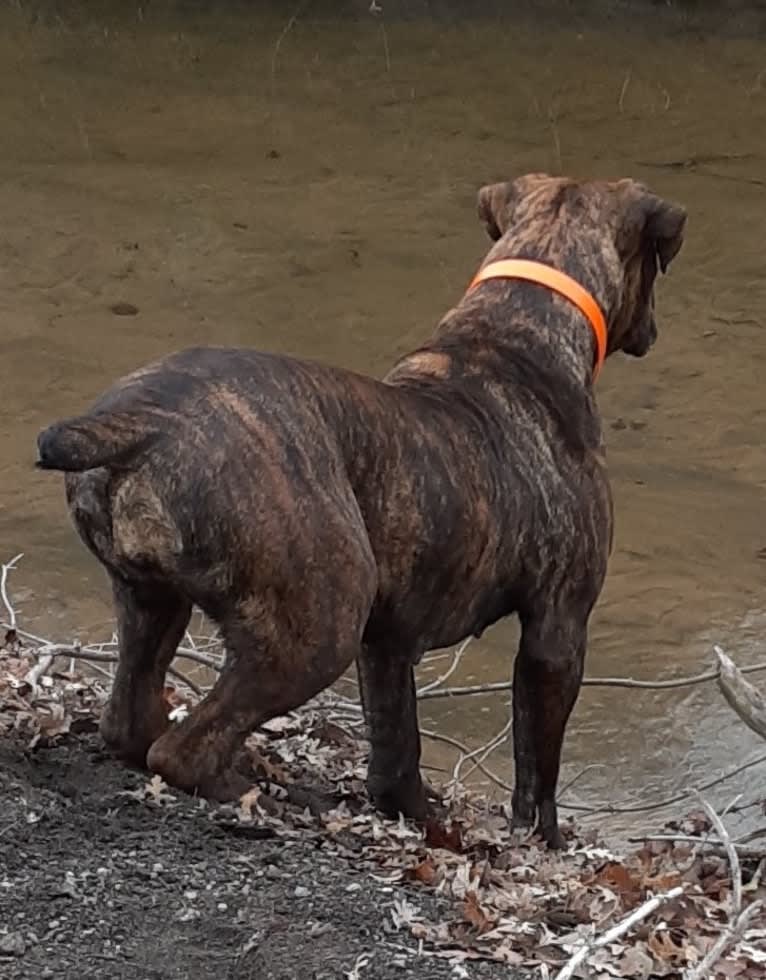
456,658
731,853
637,915
745,699
493,688
668,801
6,569
731,934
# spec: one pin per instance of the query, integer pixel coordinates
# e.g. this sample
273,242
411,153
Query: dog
321,517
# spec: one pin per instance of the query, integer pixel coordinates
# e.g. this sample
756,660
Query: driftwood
745,699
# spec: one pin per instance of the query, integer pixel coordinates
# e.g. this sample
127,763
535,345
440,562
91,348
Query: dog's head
611,235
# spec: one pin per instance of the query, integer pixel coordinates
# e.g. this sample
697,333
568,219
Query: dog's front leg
387,682
547,679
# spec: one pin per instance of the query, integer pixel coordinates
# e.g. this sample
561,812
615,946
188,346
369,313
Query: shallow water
308,186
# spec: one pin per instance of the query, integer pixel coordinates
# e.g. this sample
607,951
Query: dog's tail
89,441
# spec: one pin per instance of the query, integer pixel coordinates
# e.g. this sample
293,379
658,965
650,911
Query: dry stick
732,933
4,590
483,751
738,919
285,31
745,852
187,681
42,666
624,91
659,804
435,736
456,658
731,853
477,689
636,916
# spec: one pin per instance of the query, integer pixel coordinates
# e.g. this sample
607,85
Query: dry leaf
424,872
439,837
475,914
636,963
247,802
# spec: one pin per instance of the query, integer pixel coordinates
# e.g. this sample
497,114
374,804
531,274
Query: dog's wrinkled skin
320,516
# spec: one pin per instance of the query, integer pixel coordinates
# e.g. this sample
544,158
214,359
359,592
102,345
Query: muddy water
308,186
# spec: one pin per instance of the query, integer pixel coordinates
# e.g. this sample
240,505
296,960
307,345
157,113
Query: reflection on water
308,185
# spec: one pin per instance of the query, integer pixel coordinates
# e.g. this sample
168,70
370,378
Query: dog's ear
496,202
491,203
650,222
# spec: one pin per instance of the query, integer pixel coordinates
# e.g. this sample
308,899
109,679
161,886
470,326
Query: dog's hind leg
387,683
547,678
151,622
282,649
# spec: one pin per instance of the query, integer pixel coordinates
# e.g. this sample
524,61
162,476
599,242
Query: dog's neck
513,315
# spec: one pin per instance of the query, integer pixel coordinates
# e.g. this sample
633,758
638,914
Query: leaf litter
513,902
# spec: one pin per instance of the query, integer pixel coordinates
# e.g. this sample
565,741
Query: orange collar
559,282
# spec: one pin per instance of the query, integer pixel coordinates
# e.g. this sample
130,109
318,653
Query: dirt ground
95,883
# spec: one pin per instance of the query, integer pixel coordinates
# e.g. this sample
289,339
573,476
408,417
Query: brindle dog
319,516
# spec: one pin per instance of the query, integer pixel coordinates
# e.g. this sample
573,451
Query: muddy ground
98,884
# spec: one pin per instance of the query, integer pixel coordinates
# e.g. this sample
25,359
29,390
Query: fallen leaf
475,914
662,946
636,963
247,802
424,872
439,837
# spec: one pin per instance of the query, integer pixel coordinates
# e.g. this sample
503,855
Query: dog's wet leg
547,680
388,694
151,622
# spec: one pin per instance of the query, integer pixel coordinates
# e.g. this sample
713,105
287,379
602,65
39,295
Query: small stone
301,892
124,309
12,944
222,906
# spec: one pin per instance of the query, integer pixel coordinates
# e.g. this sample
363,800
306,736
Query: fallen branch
738,919
745,699
668,801
748,853
732,933
636,916
457,657
473,690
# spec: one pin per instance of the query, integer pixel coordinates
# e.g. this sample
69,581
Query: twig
746,852
42,666
623,91
448,740
478,689
578,776
732,933
668,801
456,658
300,7
638,915
7,568
192,685
731,853
483,751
